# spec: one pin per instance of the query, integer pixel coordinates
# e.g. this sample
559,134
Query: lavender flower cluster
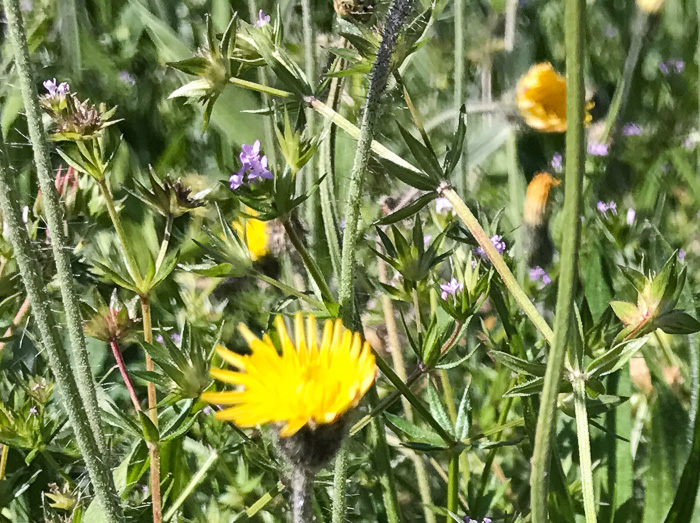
253,164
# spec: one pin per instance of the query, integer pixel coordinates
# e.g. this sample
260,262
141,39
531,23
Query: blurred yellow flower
256,235
650,6
536,208
541,98
306,385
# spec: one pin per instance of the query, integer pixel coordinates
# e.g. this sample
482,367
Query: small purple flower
603,208
681,254
426,240
632,129
497,242
442,206
263,19
206,410
663,67
450,288
160,339
252,163
678,66
56,89
235,181
539,274
597,149
486,520
631,215
557,162
127,78
33,411
672,66
175,336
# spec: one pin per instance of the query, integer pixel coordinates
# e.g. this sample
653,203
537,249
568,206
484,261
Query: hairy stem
54,218
19,317
59,361
575,20
340,478
370,117
301,495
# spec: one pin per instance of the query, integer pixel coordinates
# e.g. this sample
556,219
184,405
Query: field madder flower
308,385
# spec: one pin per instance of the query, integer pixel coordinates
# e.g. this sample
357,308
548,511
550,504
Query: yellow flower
541,98
536,208
650,6
256,235
306,385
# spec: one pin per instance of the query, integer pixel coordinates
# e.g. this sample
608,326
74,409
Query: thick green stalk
54,219
370,117
452,486
584,449
57,355
497,261
340,478
575,20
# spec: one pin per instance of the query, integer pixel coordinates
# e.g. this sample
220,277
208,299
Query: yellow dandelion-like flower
541,98
256,235
536,208
650,6
307,384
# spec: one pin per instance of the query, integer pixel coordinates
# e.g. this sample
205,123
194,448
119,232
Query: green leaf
464,417
410,177
454,155
519,365
626,312
615,358
409,210
437,409
149,430
526,389
414,432
677,322
424,156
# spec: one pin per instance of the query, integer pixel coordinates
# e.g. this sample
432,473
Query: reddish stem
124,373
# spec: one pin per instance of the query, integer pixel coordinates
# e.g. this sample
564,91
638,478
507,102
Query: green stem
154,447
260,88
54,219
575,22
264,500
619,100
310,264
340,478
370,117
289,290
166,241
453,486
59,362
416,309
194,482
459,81
497,261
3,461
584,449
119,229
